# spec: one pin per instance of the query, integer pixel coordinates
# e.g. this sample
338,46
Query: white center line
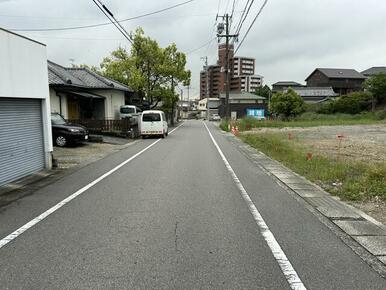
45,214
285,265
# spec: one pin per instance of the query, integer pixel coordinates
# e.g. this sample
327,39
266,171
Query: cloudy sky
288,40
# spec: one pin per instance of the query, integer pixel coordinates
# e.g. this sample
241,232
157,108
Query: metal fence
121,127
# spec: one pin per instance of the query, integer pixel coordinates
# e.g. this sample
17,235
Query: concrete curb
363,229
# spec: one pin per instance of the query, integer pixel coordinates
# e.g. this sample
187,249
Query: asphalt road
172,218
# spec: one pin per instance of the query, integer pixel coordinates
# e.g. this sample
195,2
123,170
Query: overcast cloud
289,39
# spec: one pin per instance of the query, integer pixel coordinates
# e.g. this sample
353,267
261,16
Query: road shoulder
363,234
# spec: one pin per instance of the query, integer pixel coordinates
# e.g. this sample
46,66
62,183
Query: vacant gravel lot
358,142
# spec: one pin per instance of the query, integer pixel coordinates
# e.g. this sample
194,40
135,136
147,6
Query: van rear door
151,123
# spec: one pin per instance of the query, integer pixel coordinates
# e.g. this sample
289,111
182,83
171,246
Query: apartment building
242,74
246,83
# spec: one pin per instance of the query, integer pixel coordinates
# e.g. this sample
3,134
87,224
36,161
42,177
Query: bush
287,104
224,125
381,115
314,108
353,103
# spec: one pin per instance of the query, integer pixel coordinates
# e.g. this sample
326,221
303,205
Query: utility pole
206,86
188,87
220,29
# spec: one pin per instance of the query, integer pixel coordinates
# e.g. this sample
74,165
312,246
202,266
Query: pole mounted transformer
220,30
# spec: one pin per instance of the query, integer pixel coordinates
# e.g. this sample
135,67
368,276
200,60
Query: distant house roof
315,92
242,96
338,73
287,83
81,77
374,70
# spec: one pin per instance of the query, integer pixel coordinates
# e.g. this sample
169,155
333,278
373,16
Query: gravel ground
87,152
359,142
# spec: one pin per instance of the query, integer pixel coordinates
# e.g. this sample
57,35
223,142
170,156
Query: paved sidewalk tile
360,228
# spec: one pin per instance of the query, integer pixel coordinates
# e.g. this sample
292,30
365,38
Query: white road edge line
45,214
285,265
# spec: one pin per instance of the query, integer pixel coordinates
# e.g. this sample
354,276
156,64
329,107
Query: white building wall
113,101
23,67
55,103
24,74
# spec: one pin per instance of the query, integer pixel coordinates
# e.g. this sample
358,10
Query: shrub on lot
224,125
313,108
381,115
353,103
287,104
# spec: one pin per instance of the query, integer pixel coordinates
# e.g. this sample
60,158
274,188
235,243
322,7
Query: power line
202,46
73,38
105,23
250,26
233,7
226,7
245,17
218,6
110,16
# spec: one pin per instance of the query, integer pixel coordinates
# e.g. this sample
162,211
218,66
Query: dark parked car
64,133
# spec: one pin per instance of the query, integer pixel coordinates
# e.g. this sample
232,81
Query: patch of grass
347,179
309,119
224,126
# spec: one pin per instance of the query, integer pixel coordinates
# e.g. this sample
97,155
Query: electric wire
202,46
242,14
250,26
110,16
245,17
102,24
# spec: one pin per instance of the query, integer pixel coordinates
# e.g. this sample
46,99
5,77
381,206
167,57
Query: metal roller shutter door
21,138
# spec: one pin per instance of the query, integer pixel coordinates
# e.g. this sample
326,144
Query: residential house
315,94
214,104
374,71
25,123
79,93
284,85
240,103
342,81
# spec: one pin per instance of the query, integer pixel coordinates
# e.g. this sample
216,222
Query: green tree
151,71
376,85
287,104
263,91
175,73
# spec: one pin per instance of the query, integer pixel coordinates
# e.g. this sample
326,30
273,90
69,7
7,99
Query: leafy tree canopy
377,86
352,103
263,91
151,71
287,104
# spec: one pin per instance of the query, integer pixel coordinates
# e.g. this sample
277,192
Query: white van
153,122
129,111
